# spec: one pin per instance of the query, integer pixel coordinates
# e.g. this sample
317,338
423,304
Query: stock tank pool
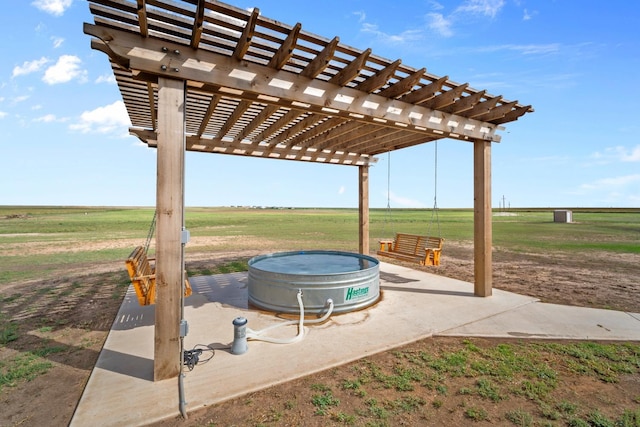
351,280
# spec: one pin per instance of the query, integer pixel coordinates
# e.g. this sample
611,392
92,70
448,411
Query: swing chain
434,211
152,230
387,217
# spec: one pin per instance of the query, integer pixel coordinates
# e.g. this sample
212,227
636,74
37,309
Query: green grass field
456,381
39,240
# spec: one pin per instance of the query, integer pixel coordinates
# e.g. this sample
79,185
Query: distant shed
562,215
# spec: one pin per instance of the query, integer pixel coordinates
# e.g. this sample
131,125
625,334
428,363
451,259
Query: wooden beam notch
247,34
321,60
283,54
445,98
141,8
351,70
425,93
379,79
405,85
198,22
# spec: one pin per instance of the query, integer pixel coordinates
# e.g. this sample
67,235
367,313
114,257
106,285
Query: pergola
201,75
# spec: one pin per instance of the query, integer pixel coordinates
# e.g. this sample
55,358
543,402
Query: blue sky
64,132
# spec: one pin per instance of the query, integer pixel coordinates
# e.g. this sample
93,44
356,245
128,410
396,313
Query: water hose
257,335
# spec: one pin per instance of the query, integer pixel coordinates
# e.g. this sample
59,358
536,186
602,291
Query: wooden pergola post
170,220
363,208
482,234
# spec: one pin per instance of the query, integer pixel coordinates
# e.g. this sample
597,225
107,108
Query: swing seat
143,276
425,250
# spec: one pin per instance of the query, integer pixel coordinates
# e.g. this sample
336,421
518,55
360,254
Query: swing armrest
432,254
386,245
145,276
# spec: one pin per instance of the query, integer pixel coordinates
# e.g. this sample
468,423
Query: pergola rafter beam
264,114
235,147
483,107
341,136
514,114
405,85
397,144
368,139
198,22
445,98
426,92
465,103
283,54
247,34
286,118
319,62
240,109
142,17
207,116
498,112
157,57
328,131
379,79
307,139
286,137
152,106
351,71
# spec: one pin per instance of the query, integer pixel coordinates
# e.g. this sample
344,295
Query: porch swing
143,274
424,250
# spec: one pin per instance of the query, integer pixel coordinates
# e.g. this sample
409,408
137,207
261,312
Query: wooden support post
170,219
482,235
363,208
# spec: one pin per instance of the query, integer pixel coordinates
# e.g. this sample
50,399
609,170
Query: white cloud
440,24
528,15
54,7
107,78
435,5
612,183
57,42
403,37
361,15
47,118
3,114
629,156
341,190
482,7
617,154
20,98
29,67
525,49
66,69
112,118
403,202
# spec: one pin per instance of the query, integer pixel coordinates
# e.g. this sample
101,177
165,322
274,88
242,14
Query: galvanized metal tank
351,280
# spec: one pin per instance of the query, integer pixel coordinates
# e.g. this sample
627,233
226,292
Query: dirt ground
67,319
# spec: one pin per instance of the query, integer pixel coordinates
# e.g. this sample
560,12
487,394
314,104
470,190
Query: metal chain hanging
152,229
387,216
434,211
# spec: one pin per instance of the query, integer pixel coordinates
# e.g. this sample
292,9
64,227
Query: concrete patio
414,305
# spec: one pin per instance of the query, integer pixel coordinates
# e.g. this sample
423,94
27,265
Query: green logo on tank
356,293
